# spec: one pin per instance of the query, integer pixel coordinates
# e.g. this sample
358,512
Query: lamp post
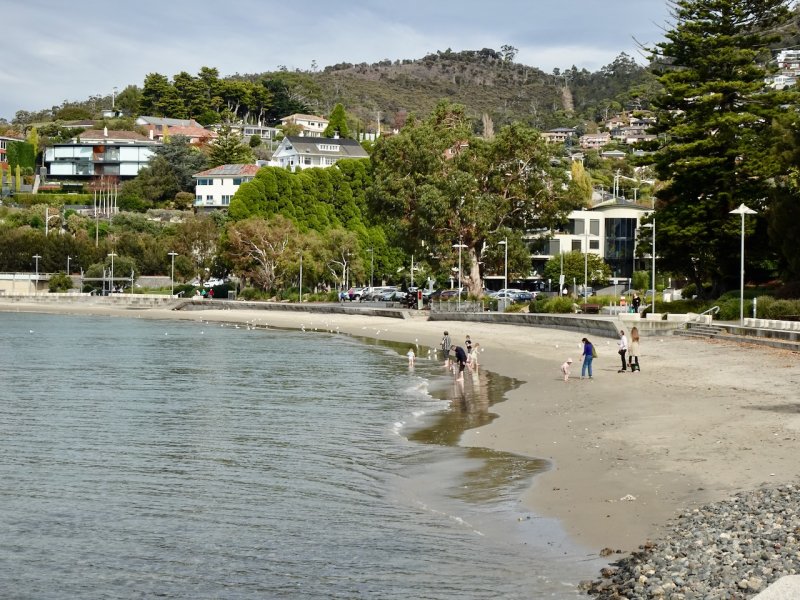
652,225
742,210
371,265
459,245
172,255
36,257
112,255
505,271
301,277
68,259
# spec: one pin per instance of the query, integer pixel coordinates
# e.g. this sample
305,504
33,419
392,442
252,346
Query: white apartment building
215,187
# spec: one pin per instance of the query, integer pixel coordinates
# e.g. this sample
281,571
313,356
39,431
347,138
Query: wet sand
701,421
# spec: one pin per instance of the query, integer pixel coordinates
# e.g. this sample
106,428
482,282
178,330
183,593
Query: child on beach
411,357
565,369
472,359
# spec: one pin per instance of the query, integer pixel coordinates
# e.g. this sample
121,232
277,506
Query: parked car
446,294
213,282
375,293
525,296
504,295
394,295
354,294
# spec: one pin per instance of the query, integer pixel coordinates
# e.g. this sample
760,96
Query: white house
100,152
608,230
215,187
297,152
312,125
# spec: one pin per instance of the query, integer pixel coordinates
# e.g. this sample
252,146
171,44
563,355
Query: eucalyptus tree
444,190
715,121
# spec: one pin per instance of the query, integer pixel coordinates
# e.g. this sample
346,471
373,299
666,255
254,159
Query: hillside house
159,127
215,187
312,125
592,141
100,153
296,152
559,135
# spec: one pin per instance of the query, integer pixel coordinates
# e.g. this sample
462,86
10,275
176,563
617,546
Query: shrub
729,309
764,304
783,308
515,308
60,282
251,293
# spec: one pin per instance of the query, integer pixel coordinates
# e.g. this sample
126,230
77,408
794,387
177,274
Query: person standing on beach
636,303
468,345
565,369
623,349
633,352
446,344
411,357
588,356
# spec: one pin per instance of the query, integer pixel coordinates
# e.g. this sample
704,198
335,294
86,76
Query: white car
213,282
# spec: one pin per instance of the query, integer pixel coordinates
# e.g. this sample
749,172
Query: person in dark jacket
461,359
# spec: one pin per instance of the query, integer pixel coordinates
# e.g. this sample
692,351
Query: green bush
554,304
251,293
60,282
782,308
729,309
515,308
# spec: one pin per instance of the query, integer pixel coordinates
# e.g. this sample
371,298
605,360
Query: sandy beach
700,422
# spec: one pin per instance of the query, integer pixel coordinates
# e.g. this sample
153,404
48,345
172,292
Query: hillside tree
716,117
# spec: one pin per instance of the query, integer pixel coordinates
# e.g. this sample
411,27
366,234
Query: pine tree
228,149
337,123
714,118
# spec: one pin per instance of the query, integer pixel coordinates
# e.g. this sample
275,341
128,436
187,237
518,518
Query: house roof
190,131
348,148
297,116
161,121
229,171
110,136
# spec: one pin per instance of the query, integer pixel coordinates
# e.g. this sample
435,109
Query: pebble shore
728,550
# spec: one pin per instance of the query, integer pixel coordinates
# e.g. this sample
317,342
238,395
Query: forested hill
485,81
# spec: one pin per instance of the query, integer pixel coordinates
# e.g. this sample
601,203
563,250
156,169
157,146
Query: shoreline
702,421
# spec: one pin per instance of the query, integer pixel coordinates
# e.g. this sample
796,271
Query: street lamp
371,265
68,259
460,245
586,265
742,210
301,277
652,225
112,255
505,271
36,257
172,255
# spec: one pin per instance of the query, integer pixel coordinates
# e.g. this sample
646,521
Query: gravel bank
726,550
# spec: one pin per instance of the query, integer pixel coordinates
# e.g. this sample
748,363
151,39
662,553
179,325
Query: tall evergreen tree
715,117
228,149
337,123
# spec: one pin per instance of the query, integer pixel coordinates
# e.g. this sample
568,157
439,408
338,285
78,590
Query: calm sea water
149,459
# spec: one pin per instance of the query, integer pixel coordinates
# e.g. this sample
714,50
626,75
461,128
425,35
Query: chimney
105,131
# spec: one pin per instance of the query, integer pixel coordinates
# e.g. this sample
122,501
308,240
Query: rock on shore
727,550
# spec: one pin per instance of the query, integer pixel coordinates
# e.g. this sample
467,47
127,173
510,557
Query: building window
306,160
328,147
237,181
198,199
209,199
226,200
576,246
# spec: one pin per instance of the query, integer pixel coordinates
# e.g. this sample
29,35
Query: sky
55,51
